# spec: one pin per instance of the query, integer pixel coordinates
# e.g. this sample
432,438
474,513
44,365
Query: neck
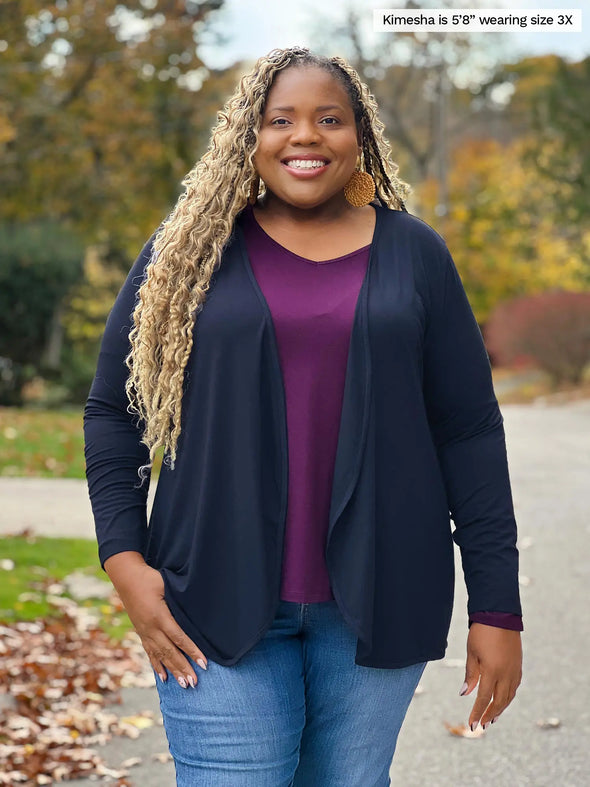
333,210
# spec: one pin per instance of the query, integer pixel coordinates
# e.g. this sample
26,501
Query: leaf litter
56,677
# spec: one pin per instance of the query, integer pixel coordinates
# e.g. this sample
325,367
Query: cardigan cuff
503,620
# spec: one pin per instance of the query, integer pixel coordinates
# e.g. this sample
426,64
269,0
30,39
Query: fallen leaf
37,598
549,724
131,762
463,731
142,722
57,674
163,756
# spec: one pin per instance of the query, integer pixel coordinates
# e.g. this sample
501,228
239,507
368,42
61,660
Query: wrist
119,567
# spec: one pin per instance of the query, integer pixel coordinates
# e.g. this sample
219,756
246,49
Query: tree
104,108
39,262
430,88
560,148
548,107
502,229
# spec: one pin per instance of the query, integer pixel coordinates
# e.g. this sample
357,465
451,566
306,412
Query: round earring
254,186
360,189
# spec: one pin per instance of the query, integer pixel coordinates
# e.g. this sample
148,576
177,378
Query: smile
298,163
305,168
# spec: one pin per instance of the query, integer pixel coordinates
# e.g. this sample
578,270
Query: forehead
307,84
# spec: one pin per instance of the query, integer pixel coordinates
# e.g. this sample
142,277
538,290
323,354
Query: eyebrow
323,108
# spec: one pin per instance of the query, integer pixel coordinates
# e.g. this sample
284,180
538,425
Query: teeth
305,164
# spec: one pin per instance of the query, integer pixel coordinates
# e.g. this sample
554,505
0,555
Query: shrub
551,329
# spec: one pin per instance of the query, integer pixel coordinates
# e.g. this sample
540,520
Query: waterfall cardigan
421,441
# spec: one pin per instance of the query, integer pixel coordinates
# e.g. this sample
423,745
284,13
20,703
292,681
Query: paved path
549,455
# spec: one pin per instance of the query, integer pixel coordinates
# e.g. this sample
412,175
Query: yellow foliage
90,302
501,229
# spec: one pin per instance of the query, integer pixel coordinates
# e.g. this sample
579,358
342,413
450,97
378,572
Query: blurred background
104,106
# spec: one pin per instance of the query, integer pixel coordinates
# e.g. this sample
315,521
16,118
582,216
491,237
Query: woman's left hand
494,658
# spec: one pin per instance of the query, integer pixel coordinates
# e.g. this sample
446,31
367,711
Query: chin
307,203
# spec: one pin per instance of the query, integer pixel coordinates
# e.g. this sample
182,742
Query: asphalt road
549,456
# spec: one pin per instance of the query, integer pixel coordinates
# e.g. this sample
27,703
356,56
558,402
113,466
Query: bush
39,262
552,330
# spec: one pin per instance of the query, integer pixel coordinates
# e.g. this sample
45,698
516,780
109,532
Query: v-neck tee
312,304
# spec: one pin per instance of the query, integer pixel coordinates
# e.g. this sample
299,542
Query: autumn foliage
551,329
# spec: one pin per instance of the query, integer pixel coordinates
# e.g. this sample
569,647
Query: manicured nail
201,663
191,681
473,726
162,676
181,681
464,688
495,718
486,725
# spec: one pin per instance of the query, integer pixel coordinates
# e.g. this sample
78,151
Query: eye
279,122
330,121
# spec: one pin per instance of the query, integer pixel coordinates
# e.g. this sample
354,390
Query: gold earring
254,186
360,189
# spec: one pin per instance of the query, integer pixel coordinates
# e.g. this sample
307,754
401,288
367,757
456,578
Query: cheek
266,148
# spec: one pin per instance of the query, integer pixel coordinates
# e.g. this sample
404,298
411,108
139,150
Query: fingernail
464,688
473,726
486,725
181,681
162,676
191,681
495,719
201,663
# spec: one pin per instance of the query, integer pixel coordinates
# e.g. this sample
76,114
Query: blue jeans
295,711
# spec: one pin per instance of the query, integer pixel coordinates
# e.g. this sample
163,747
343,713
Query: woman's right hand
141,589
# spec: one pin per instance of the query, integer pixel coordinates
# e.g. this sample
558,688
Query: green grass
37,562
41,443
44,443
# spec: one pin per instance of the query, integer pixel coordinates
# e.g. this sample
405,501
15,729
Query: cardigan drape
312,308
421,440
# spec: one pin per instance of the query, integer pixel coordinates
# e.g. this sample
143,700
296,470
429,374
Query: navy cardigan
421,441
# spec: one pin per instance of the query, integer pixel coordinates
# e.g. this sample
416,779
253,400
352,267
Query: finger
499,705
472,673
484,697
185,643
161,650
182,642
158,668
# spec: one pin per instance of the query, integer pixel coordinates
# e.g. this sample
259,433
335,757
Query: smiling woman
323,413
308,146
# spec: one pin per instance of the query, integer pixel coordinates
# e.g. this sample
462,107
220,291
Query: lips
305,167
305,157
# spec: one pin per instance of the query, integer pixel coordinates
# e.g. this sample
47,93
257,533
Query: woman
306,356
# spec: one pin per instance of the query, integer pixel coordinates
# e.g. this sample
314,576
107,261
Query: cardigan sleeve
502,620
112,437
468,433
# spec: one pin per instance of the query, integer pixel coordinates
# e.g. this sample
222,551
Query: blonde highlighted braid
188,245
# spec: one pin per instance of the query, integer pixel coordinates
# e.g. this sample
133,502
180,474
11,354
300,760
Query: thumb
471,675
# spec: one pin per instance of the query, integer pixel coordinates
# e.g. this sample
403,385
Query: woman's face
308,142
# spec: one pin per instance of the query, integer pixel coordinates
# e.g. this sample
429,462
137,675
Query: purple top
312,306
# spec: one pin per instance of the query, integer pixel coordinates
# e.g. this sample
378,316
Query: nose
305,132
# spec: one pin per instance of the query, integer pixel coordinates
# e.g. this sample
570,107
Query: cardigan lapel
356,399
